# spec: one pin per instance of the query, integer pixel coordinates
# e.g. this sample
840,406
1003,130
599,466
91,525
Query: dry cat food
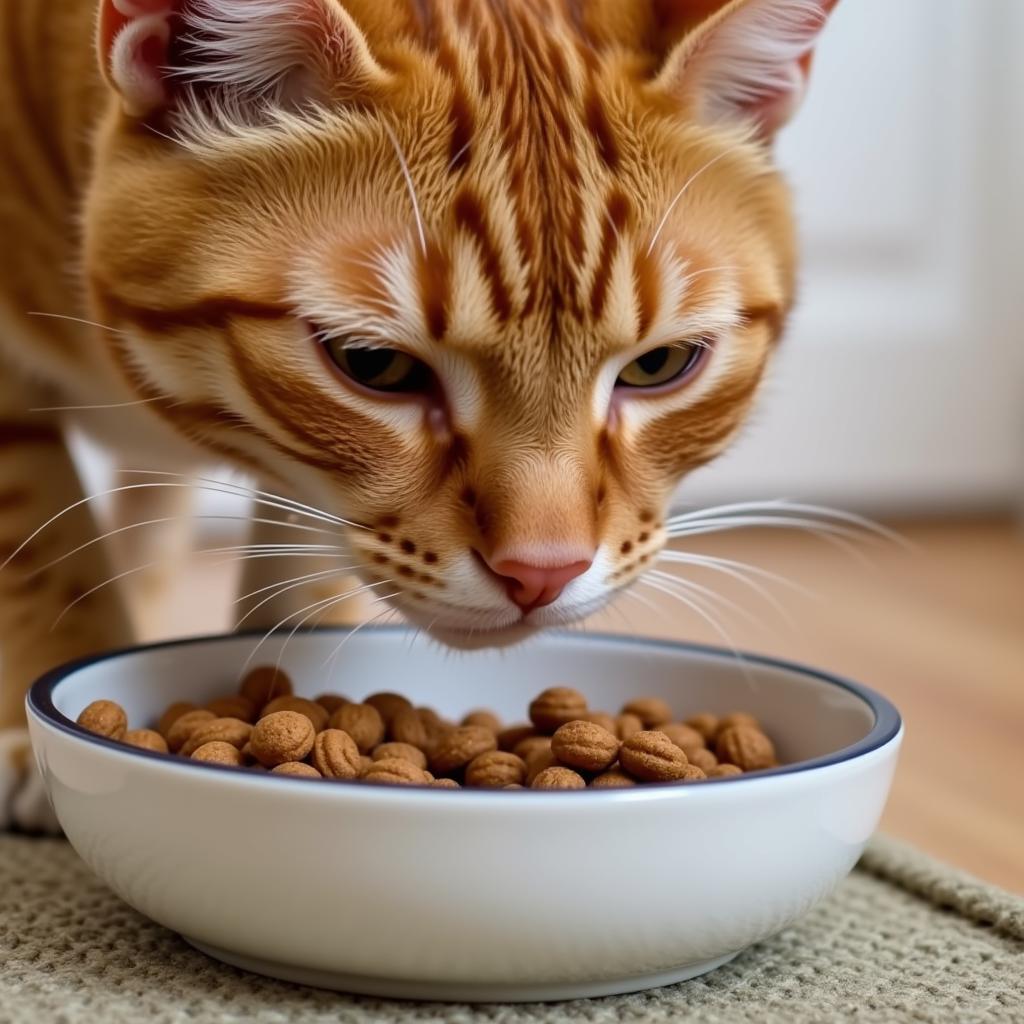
386,739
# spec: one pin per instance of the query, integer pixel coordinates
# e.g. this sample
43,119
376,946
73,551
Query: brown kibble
528,747
745,746
456,749
265,682
336,755
330,702
705,723
396,771
104,718
693,774
652,711
509,737
603,719
388,704
496,769
365,762
436,728
282,736
297,768
539,761
737,718
614,778
145,739
556,706
313,711
558,778
722,771
627,725
218,753
514,785
184,726
702,758
233,705
684,736
652,757
488,719
220,730
407,727
585,746
444,784
172,714
406,751
362,722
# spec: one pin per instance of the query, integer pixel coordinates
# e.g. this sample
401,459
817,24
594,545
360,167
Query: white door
900,382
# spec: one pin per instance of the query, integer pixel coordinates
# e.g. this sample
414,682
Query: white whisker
352,632
106,405
287,585
409,185
679,195
75,320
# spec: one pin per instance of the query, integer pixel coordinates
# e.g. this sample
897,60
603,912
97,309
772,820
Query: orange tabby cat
484,278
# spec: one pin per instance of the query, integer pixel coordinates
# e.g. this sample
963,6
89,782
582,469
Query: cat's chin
466,640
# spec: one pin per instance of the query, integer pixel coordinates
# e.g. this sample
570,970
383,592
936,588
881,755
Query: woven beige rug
903,939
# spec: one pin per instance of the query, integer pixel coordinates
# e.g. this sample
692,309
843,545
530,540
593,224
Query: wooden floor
940,631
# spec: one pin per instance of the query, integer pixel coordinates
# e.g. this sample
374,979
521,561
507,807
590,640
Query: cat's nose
533,586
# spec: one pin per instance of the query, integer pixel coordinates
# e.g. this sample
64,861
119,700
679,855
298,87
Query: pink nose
532,586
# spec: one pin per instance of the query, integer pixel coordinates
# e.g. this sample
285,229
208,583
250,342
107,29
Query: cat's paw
23,800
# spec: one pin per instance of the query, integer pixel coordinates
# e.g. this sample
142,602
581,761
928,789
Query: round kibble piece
585,746
297,768
693,774
652,757
396,771
407,727
539,761
444,784
265,682
745,746
362,722
388,704
603,719
104,718
313,711
626,725
652,711
336,755
184,726
684,736
509,737
282,736
172,714
558,778
456,749
614,778
365,763
736,718
145,739
488,719
705,723
406,751
218,753
233,705
722,771
436,728
556,706
528,747
330,702
702,758
221,730
495,770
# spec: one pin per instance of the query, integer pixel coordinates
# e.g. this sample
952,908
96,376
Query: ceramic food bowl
468,894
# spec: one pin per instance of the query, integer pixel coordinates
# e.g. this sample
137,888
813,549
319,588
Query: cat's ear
287,51
746,60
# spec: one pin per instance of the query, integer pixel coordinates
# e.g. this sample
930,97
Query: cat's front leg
49,612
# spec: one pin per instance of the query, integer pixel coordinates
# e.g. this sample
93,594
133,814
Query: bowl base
459,992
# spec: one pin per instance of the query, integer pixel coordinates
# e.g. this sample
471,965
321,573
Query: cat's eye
662,365
380,369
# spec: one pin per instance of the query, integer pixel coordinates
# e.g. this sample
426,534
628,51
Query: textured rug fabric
903,939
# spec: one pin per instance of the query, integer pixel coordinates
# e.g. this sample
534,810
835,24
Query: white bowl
470,895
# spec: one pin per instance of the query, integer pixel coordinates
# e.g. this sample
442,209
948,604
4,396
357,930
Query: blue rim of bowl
887,724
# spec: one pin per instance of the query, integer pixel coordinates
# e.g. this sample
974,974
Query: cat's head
486,277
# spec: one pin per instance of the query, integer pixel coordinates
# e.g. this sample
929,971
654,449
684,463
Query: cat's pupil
651,362
369,363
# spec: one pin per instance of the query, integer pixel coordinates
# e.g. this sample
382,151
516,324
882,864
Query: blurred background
898,393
